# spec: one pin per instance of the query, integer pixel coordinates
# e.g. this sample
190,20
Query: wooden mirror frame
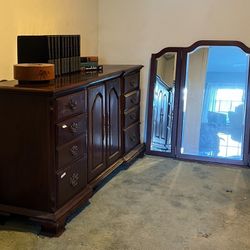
181,64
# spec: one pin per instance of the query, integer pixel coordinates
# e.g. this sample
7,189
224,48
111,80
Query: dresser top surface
69,81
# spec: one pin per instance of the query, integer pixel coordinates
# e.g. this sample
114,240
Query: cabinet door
96,131
113,108
162,117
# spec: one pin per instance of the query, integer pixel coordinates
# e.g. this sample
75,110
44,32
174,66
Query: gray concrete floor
157,203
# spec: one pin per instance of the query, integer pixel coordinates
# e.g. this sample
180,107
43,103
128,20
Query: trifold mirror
199,102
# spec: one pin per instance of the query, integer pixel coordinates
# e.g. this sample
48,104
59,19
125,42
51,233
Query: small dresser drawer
70,129
71,151
71,181
70,105
131,82
132,137
131,99
132,116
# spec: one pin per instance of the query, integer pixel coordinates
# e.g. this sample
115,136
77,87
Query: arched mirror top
201,43
218,43
178,69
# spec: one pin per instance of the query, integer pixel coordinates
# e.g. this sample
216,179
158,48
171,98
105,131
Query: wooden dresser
60,139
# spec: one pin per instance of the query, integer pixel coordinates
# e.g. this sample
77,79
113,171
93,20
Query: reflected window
226,100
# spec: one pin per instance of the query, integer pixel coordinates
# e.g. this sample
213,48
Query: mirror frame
153,69
181,64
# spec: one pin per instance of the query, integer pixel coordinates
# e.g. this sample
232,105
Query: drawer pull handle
133,100
73,104
132,138
132,116
74,150
74,127
74,179
132,84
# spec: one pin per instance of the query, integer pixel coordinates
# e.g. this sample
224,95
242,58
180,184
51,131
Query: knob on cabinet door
73,104
74,127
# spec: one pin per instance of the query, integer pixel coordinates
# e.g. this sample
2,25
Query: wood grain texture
56,146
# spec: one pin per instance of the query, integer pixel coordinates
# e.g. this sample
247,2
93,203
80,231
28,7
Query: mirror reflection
215,102
163,103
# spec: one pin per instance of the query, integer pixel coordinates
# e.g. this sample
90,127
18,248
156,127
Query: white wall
129,31
20,17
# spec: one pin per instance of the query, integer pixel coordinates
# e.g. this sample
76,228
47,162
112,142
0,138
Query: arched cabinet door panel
113,111
96,131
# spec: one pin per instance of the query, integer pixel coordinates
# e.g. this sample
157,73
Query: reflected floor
221,142
160,148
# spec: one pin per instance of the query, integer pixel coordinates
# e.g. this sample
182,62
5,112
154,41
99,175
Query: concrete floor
157,203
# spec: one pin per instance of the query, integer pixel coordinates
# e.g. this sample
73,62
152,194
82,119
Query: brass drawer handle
74,150
132,116
132,138
132,84
73,104
74,127
133,100
74,179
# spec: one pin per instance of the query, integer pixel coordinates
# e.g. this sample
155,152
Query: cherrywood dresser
60,139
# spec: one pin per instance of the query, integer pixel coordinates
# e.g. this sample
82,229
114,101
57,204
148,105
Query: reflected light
228,147
184,99
229,94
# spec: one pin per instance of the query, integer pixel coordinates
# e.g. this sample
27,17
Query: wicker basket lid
34,72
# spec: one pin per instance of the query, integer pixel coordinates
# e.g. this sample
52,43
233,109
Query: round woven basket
34,72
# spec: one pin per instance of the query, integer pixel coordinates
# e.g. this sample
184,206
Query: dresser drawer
131,82
70,105
71,151
132,116
132,137
131,99
70,129
71,181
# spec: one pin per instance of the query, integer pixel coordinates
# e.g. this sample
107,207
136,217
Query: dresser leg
3,218
141,155
52,228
